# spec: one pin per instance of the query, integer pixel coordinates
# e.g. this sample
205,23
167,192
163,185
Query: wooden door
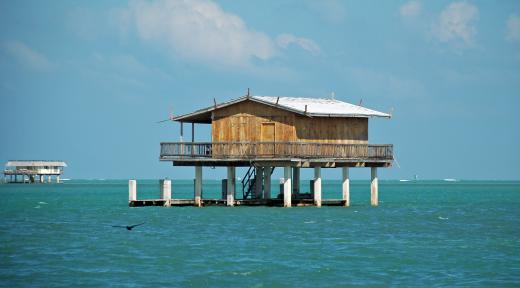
267,137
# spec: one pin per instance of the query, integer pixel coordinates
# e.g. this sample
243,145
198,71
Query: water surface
426,233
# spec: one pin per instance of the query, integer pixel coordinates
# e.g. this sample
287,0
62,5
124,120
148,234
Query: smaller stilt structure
31,170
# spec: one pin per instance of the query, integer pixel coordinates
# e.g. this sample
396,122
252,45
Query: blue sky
86,81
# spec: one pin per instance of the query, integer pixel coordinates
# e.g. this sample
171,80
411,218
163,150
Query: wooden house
264,132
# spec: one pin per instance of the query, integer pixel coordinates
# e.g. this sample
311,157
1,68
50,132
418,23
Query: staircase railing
248,182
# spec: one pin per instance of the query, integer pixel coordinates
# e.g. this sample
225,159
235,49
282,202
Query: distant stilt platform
33,171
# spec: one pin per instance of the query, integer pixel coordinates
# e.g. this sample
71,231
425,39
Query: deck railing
250,150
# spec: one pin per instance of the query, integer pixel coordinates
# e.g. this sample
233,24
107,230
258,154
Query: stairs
249,181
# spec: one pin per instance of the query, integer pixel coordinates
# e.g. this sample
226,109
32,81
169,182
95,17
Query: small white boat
450,180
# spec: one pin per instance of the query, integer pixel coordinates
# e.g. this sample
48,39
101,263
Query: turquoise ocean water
425,233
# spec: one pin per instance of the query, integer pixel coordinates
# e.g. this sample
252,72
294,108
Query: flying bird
130,227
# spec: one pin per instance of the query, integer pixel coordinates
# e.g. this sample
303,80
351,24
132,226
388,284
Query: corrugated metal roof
320,107
314,107
34,163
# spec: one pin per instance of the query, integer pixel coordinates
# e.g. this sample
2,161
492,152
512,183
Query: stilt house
33,171
264,132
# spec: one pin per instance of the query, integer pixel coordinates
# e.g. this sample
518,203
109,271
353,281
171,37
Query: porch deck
296,154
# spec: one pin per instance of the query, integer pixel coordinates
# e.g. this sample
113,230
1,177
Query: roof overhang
205,115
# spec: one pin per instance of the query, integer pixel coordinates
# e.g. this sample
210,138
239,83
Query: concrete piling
166,191
373,187
317,186
259,182
132,190
296,180
198,186
231,175
267,182
287,189
346,186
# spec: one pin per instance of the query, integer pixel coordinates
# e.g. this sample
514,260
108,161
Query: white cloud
513,28
456,24
199,30
285,40
27,57
410,9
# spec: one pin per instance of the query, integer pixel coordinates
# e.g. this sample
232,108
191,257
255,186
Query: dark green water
427,233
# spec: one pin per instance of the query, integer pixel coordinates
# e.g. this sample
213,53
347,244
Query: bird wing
132,226
118,226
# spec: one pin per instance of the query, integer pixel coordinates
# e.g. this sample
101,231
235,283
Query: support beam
259,182
267,182
373,187
57,179
182,131
132,190
296,180
50,179
317,186
230,195
192,132
41,178
198,186
287,189
346,187
166,191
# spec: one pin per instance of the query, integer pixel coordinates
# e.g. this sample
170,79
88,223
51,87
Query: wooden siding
242,122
